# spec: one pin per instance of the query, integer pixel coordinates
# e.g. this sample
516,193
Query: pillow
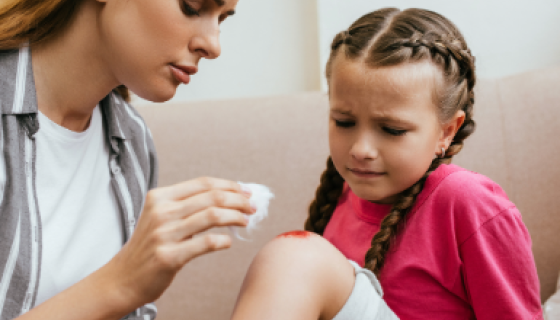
551,307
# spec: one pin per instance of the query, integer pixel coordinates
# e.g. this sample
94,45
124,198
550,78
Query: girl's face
384,128
152,46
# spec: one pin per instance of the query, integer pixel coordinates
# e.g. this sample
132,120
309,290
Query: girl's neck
71,75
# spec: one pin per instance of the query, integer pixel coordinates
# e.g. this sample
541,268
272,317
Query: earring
442,155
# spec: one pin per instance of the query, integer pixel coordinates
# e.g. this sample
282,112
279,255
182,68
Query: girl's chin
374,197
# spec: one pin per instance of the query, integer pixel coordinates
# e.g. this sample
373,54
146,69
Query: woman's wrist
110,286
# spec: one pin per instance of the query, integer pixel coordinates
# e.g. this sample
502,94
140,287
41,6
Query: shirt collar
18,96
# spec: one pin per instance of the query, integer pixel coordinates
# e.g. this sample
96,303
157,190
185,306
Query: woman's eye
344,124
188,10
394,132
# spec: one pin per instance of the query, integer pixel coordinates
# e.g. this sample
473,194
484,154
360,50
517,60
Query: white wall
274,47
269,47
506,37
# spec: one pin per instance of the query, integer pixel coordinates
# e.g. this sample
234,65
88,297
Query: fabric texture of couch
282,142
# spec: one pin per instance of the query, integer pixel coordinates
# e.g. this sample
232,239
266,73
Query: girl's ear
449,130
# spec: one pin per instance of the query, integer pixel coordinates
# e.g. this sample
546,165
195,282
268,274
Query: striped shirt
132,163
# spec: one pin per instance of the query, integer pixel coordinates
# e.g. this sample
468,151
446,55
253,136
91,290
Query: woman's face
152,46
384,128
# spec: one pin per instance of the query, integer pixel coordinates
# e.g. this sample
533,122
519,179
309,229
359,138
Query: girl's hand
166,237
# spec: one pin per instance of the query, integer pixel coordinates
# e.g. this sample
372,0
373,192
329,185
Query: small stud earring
442,155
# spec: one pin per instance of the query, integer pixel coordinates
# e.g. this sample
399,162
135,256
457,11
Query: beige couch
282,142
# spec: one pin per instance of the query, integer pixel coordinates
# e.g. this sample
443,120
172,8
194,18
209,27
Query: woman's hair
390,37
37,21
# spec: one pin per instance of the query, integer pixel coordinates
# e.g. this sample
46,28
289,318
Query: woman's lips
182,74
366,173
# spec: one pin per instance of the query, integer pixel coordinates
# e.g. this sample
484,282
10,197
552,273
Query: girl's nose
207,43
363,149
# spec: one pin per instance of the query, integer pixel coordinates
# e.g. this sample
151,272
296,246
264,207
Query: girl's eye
188,10
394,132
344,124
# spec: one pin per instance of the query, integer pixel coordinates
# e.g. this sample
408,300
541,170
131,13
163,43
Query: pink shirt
464,252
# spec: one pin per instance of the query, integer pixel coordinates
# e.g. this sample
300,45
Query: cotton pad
260,198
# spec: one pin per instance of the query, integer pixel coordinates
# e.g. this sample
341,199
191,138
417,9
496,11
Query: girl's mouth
364,173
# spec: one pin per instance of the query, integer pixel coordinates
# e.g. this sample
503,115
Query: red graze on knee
296,234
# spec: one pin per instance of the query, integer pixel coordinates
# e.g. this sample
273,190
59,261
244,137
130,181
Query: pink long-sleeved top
464,252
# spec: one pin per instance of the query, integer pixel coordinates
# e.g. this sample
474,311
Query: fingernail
246,191
246,217
253,207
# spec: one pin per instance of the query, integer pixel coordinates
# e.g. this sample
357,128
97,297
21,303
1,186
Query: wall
507,37
269,47
275,47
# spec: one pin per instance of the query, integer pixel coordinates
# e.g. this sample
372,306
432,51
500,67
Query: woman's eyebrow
222,3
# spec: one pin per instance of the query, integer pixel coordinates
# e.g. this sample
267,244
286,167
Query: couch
282,142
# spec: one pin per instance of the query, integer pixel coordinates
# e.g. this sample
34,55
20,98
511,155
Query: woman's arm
163,242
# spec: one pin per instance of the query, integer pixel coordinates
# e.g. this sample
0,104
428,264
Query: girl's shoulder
459,185
466,199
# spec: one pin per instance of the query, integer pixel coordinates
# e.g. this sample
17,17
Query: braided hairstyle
390,37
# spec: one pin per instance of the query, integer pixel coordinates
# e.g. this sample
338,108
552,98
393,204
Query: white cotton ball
260,198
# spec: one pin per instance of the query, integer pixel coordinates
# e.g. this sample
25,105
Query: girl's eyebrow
345,112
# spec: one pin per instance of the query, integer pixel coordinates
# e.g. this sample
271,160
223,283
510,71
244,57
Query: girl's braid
452,52
326,199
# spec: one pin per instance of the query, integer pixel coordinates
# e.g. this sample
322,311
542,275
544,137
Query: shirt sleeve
147,312
499,270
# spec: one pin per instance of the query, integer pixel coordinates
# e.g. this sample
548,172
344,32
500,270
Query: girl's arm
499,270
163,242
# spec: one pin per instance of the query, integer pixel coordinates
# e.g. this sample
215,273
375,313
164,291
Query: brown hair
32,21
390,37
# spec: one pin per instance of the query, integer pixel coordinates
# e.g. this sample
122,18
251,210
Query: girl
78,161
445,243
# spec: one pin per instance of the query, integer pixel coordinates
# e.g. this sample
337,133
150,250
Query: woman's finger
214,199
180,230
199,245
193,187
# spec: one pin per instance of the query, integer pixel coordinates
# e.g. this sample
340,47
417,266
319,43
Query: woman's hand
166,237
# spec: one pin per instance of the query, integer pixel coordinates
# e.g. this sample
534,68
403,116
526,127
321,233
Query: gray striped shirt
132,162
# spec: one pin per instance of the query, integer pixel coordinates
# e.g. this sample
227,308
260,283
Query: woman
78,160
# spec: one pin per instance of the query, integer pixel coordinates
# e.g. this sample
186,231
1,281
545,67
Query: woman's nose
364,149
207,43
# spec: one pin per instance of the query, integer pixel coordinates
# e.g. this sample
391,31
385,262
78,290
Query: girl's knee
303,249
304,257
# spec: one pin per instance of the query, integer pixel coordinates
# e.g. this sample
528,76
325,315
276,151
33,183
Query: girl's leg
297,276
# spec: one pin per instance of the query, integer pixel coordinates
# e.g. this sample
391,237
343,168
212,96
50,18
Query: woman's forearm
93,298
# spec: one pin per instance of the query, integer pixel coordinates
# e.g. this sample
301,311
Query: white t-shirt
81,224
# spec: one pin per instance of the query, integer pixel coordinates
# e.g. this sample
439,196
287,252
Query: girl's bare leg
297,276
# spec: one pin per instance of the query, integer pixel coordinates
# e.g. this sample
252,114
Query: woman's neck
71,76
